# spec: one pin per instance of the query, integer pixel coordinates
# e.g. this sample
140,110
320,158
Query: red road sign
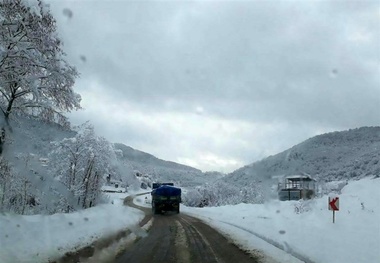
334,203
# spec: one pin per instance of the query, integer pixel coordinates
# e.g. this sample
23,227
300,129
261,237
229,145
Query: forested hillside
351,154
331,157
162,171
48,168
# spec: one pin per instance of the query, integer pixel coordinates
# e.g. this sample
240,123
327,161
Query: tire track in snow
284,247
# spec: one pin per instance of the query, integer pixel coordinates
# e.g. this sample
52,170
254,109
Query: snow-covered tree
16,193
80,163
220,193
35,78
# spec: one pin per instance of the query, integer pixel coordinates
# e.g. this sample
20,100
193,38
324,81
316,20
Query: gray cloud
304,67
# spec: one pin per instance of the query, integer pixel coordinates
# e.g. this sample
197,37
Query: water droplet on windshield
334,73
67,12
83,58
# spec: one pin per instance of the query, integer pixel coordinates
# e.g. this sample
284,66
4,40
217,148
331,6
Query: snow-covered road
275,228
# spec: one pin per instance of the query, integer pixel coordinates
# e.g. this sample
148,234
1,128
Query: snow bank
40,238
278,229
306,229
143,200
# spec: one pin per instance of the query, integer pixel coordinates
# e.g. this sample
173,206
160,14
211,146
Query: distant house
296,187
112,185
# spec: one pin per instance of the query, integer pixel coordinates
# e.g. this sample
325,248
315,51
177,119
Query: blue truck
165,197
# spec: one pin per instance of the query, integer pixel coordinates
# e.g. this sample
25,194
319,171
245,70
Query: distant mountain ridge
344,155
161,170
134,155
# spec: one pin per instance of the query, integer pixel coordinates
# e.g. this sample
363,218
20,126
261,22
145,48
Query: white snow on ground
306,232
355,236
41,237
143,200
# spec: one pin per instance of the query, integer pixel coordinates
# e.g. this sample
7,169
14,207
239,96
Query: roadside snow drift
305,229
277,229
41,237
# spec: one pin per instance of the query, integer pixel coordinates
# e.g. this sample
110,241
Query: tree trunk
25,197
94,189
4,189
2,139
86,181
7,177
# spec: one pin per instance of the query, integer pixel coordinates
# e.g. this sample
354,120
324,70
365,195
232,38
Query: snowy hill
144,158
38,152
32,137
335,156
162,171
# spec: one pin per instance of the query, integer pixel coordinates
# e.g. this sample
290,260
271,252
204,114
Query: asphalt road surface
179,238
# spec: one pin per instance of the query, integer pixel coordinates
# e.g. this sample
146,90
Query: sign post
334,205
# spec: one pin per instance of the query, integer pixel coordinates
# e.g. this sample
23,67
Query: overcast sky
221,84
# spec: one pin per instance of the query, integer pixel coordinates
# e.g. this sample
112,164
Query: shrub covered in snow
221,193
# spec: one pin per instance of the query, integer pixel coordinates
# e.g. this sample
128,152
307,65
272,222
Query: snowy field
40,238
302,229
306,229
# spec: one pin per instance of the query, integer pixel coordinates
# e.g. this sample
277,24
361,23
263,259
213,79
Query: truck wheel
154,210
